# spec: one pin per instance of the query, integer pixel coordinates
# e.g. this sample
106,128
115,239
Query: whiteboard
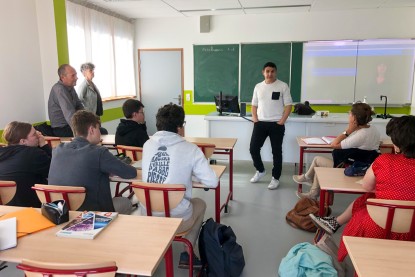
342,72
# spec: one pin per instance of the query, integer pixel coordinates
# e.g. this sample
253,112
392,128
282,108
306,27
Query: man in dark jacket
82,162
132,131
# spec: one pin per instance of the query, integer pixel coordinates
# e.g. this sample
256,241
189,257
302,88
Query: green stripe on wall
61,31
112,114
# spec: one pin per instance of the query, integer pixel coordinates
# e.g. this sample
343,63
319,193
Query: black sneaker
328,224
184,261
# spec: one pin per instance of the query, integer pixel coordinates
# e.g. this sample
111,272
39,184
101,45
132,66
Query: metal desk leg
300,169
323,195
217,203
231,173
168,257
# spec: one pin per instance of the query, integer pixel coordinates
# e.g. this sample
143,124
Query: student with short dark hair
82,162
169,159
132,131
25,160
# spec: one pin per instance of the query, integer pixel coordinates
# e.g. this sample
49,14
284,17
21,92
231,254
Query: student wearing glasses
132,130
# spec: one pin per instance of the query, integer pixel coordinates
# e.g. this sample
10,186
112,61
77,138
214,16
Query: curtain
105,41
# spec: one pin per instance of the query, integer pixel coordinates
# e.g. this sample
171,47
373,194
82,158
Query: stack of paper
314,141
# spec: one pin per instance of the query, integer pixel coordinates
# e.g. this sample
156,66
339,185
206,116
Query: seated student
82,162
132,131
390,177
359,141
25,160
182,159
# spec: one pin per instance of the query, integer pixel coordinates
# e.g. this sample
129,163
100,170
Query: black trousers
65,131
275,132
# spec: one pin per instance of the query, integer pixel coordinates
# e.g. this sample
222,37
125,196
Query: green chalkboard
216,68
253,58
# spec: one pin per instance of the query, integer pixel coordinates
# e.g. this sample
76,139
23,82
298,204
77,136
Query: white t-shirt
270,106
365,139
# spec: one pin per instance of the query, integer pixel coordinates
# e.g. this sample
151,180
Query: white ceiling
185,8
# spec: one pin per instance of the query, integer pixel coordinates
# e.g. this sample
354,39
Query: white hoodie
169,159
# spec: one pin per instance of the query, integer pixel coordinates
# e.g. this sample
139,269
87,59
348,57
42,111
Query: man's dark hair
131,106
62,70
169,118
81,121
270,64
402,132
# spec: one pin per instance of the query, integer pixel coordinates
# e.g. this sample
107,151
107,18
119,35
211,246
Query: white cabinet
240,128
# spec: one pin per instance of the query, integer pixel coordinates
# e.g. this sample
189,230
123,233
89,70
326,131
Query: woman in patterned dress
390,177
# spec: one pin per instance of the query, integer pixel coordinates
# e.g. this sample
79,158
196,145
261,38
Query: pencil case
56,211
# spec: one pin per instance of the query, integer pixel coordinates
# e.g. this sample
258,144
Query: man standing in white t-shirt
271,106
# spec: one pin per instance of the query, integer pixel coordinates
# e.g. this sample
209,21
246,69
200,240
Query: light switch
187,96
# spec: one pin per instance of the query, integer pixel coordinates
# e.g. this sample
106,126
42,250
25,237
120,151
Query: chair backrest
133,152
46,269
7,191
158,197
53,141
73,196
207,149
396,216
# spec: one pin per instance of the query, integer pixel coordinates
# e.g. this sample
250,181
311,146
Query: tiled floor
257,216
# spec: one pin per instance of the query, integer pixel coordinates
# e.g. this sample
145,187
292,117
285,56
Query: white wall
25,56
21,86
330,25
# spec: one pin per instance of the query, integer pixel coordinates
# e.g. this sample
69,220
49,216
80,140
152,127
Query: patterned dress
395,176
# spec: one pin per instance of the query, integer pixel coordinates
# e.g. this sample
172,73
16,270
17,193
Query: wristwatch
345,133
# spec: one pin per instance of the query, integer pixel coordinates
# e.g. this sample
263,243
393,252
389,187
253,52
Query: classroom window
107,42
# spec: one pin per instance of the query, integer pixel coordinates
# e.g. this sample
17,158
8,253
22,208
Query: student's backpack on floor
220,251
299,217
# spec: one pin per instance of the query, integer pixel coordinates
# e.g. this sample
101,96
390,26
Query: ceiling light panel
196,5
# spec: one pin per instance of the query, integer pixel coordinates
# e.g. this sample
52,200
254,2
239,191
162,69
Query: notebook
8,237
321,141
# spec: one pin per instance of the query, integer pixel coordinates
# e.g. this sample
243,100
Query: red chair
163,198
135,154
73,196
7,191
53,141
47,269
396,216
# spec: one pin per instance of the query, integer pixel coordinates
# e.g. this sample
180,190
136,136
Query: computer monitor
227,104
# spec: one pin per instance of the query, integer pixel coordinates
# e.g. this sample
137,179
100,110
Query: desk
386,144
223,146
219,170
136,243
334,180
381,258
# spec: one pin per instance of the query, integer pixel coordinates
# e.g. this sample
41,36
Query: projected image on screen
385,67
340,72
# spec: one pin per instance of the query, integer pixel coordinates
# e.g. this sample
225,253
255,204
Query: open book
322,141
87,225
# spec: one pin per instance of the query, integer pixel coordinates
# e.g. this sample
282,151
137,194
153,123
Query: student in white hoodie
169,159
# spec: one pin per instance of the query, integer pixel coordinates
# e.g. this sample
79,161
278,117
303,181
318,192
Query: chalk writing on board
213,49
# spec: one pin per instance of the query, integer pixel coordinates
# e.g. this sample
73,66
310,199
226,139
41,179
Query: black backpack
220,251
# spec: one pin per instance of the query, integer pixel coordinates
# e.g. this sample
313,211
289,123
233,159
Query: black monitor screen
229,104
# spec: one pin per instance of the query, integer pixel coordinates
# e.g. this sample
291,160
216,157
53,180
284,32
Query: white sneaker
258,175
300,179
274,183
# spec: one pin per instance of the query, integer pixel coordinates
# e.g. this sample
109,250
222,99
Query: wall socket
187,96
